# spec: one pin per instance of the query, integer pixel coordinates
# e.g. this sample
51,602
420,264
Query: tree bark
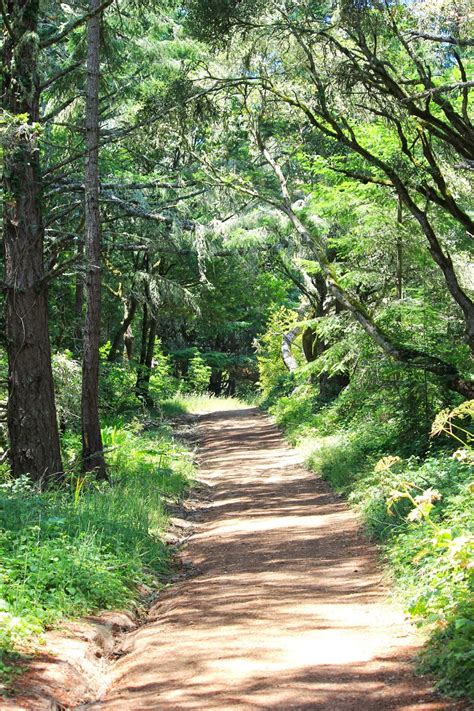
79,302
143,351
287,341
92,449
399,267
31,412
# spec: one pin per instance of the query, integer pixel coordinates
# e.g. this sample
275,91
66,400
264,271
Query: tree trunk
92,449
399,253
143,345
309,343
146,358
32,422
79,302
215,382
287,341
129,340
124,332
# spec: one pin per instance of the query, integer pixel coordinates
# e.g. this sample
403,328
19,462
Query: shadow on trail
286,608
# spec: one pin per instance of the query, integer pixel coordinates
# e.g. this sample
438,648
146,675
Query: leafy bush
67,383
273,374
294,413
117,387
198,375
162,382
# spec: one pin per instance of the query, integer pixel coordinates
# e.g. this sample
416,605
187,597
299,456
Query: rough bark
79,302
31,415
92,449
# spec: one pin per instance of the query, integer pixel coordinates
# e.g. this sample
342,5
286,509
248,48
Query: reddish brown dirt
285,609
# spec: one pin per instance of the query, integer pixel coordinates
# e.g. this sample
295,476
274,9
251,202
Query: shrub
198,375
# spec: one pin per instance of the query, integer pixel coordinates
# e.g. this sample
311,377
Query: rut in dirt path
286,610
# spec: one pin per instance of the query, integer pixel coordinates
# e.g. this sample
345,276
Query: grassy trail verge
89,546
419,509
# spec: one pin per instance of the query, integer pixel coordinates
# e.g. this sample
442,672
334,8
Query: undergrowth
415,495
89,545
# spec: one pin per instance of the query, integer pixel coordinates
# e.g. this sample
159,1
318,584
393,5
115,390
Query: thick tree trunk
92,449
32,422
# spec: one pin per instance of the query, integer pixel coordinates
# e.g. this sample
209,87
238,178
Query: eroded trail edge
285,608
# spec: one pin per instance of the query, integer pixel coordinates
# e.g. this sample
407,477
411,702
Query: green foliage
87,547
419,507
117,388
274,376
214,20
67,383
198,375
162,383
195,238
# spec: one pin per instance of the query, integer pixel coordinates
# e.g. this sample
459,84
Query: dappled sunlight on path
286,608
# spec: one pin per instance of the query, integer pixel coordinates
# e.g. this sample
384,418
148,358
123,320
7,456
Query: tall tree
32,422
352,92
92,449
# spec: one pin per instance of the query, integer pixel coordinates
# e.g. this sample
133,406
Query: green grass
90,545
196,404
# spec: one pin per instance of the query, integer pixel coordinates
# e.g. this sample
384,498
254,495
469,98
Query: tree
331,83
92,449
32,423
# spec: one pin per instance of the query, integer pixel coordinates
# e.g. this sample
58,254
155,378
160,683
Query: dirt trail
286,609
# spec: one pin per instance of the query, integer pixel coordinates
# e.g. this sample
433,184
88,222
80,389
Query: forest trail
285,609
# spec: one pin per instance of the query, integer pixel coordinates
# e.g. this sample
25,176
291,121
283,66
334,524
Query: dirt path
286,609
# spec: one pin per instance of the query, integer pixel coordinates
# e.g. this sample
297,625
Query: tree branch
48,41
